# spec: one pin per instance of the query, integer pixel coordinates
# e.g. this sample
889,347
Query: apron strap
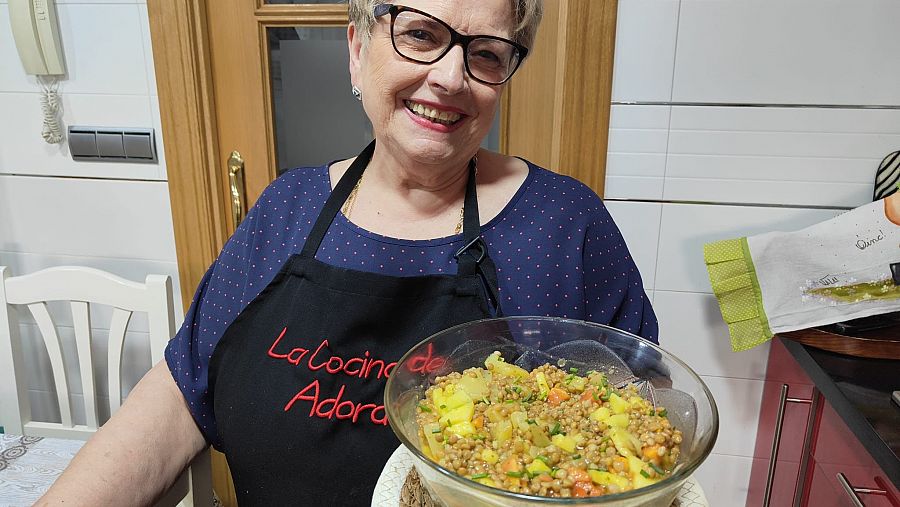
337,198
472,258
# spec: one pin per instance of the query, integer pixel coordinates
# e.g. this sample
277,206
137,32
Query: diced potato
543,386
494,413
458,415
636,465
462,429
520,420
640,481
539,437
618,420
564,442
617,404
622,441
577,384
475,387
639,403
496,364
601,414
487,481
490,456
537,467
436,448
606,478
458,399
502,431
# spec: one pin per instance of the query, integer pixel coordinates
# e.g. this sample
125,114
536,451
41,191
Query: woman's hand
138,454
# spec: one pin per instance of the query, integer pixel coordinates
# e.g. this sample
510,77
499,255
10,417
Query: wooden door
218,76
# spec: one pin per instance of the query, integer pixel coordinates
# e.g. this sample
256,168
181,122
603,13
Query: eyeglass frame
455,38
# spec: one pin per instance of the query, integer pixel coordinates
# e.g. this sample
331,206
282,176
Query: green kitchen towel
830,272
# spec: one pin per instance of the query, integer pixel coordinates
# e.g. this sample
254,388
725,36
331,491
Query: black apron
298,378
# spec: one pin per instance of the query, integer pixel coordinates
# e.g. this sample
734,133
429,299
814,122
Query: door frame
555,111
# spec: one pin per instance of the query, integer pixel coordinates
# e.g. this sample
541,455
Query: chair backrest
81,287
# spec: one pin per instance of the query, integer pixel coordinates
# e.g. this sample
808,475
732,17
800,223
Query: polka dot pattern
556,249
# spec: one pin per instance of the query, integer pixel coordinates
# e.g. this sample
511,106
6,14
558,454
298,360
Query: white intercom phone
36,32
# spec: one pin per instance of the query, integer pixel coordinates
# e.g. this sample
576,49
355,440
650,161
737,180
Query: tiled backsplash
690,163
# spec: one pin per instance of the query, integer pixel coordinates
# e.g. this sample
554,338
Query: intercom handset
36,32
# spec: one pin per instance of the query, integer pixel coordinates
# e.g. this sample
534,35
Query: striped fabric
887,178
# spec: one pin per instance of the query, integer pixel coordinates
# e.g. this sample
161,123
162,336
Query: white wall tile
738,401
158,131
636,158
103,49
148,48
691,327
645,50
25,152
686,227
770,51
91,218
725,480
639,224
799,156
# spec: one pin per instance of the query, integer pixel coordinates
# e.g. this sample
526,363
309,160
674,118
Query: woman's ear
354,44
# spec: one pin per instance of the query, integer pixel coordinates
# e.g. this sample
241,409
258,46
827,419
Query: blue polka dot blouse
556,249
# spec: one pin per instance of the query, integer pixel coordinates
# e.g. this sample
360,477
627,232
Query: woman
339,269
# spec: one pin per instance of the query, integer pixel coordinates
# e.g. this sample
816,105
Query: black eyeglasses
423,38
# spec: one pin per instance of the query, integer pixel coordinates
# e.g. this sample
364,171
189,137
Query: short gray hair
528,15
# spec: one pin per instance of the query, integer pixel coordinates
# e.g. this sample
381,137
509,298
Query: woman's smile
433,117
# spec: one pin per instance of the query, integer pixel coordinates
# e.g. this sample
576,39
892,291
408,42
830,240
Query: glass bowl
530,342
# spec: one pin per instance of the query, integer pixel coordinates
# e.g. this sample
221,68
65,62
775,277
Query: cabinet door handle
776,443
236,183
852,492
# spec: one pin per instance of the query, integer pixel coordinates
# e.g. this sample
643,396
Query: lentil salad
548,432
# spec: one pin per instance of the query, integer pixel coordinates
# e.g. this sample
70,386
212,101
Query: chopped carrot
587,395
557,396
478,421
582,489
578,475
545,478
622,461
650,451
510,465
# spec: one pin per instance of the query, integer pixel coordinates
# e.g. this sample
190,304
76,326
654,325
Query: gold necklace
347,208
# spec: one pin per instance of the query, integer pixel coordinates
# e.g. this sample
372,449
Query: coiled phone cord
51,106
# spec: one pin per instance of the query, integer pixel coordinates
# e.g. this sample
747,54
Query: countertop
859,389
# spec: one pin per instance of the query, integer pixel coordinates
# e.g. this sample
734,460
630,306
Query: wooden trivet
413,492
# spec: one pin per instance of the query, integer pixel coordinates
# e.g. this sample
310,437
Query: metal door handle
236,182
852,492
776,443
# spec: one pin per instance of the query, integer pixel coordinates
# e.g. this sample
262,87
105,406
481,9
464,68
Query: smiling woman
436,231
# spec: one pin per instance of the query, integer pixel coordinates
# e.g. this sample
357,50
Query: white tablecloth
29,465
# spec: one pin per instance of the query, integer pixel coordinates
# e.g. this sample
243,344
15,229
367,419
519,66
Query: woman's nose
449,73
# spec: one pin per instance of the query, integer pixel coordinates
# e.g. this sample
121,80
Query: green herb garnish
424,408
436,431
556,430
479,476
530,421
645,474
576,456
656,469
517,475
545,459
573,370
663,413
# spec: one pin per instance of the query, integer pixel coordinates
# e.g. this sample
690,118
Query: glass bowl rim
679,475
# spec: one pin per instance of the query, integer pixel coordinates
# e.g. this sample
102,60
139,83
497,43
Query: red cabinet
792,408
836,452
813,448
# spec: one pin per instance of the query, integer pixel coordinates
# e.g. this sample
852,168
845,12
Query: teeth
445,117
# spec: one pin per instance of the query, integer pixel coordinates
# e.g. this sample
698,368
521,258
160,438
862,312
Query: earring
356,93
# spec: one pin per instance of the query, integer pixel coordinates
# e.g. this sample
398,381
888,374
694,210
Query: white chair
83,287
